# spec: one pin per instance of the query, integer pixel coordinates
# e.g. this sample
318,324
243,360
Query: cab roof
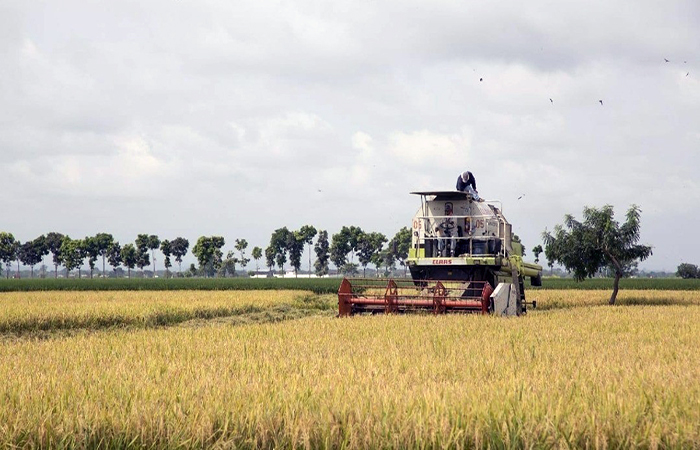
445,195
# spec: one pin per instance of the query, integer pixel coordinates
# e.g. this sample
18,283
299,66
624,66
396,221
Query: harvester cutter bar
376,295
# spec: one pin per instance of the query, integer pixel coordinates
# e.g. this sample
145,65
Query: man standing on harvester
467,183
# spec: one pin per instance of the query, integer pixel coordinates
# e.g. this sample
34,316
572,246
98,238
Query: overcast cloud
189,118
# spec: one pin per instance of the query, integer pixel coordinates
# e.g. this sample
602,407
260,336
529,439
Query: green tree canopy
400,244
153,245
102,242
208,252
308,233
599,241
129,257
280,243
179,247
686,270
257,253
92,251
270,257
241,246
31,253
142,247
341,244
322,255
295,246
114,255
165,249
53,242
72,254
8,250
369,245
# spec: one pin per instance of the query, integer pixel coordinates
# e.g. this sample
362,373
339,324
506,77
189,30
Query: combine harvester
462,259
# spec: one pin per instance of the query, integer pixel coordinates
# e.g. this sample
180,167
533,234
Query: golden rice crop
599,376
35,311
555,299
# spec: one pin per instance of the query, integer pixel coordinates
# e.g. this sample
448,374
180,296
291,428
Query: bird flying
601,102
666,60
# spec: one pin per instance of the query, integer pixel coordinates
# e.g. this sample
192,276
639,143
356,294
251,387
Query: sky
190,118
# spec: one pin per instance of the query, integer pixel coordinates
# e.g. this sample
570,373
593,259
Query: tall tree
103,242
340,246
165,249
270,258
53,242
179,247
280,243
256,254
353,233
29,254
401,244
41,248
129,257
388,258
203,251
322,255
208,252
8,250
92,251
369,245
597,242
114,255
72,254
241,246
295,246
308,233
228,265
153,245
218,243
142,248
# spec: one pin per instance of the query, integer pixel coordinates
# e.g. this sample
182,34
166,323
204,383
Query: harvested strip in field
603,376
28,312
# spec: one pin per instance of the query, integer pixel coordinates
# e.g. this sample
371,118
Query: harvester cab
462,258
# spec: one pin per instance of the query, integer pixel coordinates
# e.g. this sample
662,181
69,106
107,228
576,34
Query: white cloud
424,147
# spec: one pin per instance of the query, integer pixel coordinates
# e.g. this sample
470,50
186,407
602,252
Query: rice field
573,373
27,312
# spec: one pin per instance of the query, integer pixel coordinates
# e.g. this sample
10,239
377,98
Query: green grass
315,285
663,284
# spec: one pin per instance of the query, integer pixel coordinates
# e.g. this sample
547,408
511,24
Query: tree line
285,245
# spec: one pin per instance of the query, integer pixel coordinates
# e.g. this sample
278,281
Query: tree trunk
128,271
32,271
618,275
18,276
616,284
55,270
103,266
